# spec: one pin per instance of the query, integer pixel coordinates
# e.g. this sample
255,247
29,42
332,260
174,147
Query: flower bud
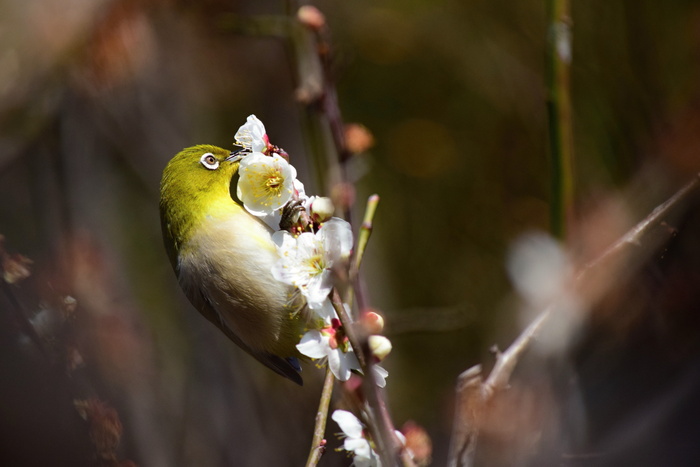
372,322
358,138
311,17
321,209
380,346
418,443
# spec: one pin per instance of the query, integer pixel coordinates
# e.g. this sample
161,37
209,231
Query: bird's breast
228,263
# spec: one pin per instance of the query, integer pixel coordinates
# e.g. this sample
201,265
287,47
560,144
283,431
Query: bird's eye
209,161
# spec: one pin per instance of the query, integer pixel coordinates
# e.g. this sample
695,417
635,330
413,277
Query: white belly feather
230,261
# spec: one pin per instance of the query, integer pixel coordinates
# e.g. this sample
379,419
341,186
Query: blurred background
115,367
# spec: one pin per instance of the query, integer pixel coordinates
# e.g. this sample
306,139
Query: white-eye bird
223,257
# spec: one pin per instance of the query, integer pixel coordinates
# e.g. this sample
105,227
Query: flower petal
351,426
359,446
318,287
324,310
313,344
341,363
251,135
380,375
266,183
336,235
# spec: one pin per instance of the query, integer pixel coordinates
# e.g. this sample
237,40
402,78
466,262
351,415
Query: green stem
318,446
365,232
362,239
559,110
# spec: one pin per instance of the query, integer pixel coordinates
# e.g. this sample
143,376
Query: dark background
96,97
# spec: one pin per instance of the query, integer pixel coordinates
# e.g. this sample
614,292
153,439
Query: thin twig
323,111
318,445
364,234
634,235
559,109
350,329
356,291
506,361
380,423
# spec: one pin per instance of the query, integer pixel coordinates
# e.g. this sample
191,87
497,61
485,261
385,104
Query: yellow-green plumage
223,256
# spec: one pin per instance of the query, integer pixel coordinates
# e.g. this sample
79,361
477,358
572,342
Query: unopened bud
358,138
373,322
311,17
321,209
418,443
380,346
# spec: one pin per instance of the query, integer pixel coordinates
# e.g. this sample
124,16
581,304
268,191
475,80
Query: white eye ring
209,161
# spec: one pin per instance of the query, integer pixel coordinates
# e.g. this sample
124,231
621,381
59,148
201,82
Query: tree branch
318,443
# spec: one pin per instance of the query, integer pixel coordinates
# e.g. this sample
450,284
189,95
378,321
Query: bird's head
199,171
194,181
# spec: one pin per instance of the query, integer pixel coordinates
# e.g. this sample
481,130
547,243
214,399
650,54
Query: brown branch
469,405
318,443
634,235
314,61
380,423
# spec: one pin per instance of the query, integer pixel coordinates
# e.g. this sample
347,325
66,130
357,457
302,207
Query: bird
223,257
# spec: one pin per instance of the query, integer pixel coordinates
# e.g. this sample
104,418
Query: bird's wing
287,367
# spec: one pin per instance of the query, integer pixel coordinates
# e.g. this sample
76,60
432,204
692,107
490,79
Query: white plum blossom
324,310
273,219
331,343
380,375
266,183
252,136
306,260
355,440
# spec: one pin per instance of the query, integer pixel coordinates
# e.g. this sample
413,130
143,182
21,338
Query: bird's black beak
235,156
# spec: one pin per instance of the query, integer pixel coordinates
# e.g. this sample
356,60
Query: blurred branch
473,393
559,109
14,268
634,235
318,443
21,318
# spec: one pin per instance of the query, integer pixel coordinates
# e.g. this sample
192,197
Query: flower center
316,263
274,182
337,338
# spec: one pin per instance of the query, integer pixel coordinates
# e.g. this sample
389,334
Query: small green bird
223,257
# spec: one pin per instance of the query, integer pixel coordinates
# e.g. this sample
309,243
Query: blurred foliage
96,96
